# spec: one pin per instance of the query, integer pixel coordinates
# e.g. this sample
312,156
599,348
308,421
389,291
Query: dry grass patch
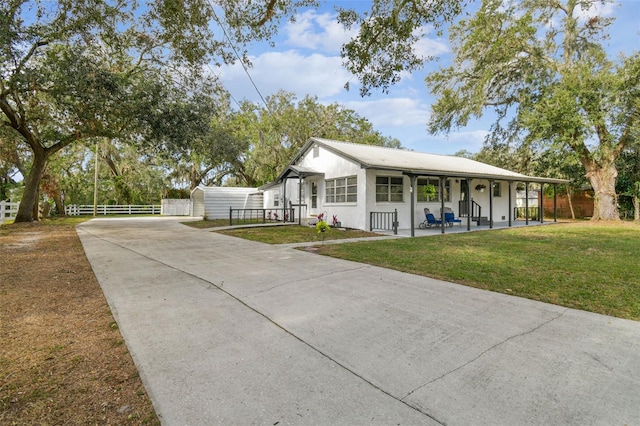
62,358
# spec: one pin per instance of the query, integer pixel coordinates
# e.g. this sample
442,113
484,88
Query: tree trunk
29,202
569,195
636,208
57,199
603,180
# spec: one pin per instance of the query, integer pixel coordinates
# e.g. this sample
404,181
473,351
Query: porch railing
476,210
384,221
255,216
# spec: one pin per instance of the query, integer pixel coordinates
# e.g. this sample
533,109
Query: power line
244,66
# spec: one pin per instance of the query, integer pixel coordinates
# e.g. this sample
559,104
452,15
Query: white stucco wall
356,215
349,214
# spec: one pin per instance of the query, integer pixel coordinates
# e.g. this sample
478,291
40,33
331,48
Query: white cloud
315,74
595,9
392,112
470,140
426,46
317,32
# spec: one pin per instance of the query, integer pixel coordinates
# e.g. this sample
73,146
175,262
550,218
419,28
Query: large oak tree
68,67
540,66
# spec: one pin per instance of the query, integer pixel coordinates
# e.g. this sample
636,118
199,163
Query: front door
314,197
464,193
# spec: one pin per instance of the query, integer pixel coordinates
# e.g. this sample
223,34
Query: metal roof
419,163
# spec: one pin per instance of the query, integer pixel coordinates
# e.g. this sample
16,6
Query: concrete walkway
227,331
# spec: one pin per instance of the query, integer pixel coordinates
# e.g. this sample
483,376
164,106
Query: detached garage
213,202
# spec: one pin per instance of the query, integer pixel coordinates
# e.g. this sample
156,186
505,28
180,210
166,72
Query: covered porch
456,229
471,214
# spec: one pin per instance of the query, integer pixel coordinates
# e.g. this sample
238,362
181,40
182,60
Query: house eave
462,175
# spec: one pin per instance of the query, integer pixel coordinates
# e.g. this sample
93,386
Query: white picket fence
8,211
103,209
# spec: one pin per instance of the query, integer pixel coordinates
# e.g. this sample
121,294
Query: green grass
583,266
294,234
204,224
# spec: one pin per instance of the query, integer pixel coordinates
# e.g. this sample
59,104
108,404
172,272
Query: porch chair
430,220
450,219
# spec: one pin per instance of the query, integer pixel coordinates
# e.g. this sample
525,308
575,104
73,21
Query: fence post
230,216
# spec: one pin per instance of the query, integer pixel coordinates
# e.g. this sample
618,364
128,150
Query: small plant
429,191
335,220
480,187
320,217
322,229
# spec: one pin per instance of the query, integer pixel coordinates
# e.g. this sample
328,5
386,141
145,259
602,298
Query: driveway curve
228,331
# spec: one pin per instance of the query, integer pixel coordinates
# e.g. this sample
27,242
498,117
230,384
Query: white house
358,182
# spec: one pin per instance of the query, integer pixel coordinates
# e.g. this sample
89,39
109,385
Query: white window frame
341,190
391,182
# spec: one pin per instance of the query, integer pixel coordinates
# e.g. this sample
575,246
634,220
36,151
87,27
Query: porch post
541,209
284,199
555,202
412,194
299,200
526,203
442,224
490,204
510,204
469,211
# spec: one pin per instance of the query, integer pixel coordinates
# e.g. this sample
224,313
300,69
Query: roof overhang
458,175
295,171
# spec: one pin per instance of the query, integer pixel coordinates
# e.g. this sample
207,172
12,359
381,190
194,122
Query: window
314,195
497,189
389,188
276,198
341,190
426,189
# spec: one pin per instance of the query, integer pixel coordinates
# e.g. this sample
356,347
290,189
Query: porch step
481,221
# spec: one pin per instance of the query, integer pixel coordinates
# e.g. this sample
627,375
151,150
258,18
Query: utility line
235,51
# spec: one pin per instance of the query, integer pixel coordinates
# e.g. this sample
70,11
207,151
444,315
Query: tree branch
268,14
38,44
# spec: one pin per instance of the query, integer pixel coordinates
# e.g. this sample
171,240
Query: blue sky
306,60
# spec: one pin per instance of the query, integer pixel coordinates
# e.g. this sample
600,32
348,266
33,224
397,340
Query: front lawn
287,234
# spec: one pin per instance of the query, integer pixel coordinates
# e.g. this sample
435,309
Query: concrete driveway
227,331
